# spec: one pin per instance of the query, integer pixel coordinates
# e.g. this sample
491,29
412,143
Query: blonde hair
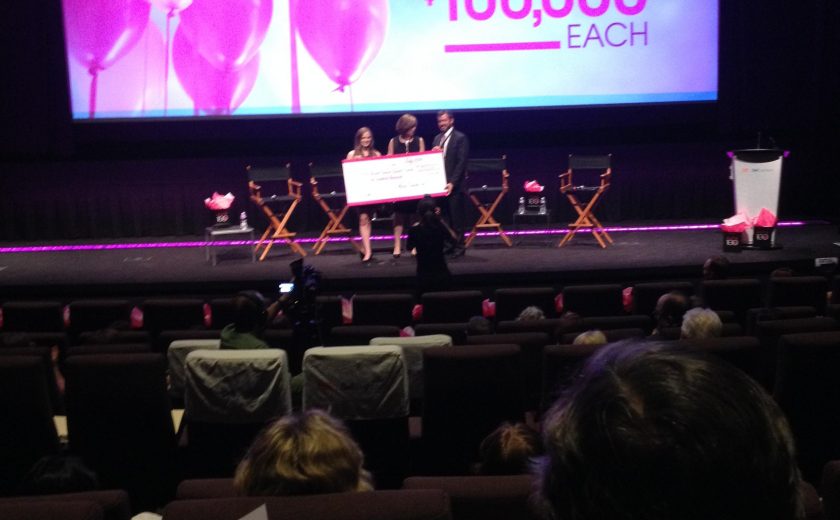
590,337
303,454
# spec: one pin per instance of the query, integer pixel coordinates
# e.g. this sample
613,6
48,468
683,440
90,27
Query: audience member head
531,313
655,432
479,325
303,454
428,212
509,450
590,337
55,474
670,309
716,268
249,311
699,323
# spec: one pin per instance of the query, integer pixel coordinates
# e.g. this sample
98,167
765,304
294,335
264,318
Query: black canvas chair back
504,497
327,182
584,182
27,431
33,316
511,301
451,306
807,391
645,295
276,194
382,309
469,392
593,300
486,196
414,504
119,422
798,290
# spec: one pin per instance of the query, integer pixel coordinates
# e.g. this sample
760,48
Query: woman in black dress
404,142
432,238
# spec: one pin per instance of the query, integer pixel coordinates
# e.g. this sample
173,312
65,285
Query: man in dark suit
456,151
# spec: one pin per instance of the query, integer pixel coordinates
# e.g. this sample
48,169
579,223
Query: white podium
756,177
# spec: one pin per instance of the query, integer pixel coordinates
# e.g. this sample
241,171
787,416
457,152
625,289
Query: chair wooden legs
276,230
486,220
335,226
586,220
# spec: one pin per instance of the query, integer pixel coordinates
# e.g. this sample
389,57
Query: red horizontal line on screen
511,46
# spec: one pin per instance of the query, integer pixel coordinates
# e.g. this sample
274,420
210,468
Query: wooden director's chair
584,198
334,204
277,208
487,198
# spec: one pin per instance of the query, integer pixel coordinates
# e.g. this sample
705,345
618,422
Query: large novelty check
393,178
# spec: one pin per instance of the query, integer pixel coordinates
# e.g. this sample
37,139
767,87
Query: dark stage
178,266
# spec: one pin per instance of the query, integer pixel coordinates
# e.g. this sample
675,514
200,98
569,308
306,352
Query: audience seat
645,295
382,309
119,422
412,348
735,295
604,323
116,348
44,356
229,396
89,315
457,331
483,498
413,504
593,300
70,510
511,301
451,306
769,332
612,335
808,291
743,352
531,347
114,502
191,489
27,431
560,365
114,336
470,390
172,314
176,356
366,387
727,330
549,326
359,334
807,391
33,316
167,337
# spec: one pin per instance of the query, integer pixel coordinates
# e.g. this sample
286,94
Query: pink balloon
343,37
213,91
167,6
228,33
100,32
132,86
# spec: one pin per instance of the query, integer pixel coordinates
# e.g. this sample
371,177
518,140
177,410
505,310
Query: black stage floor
177,266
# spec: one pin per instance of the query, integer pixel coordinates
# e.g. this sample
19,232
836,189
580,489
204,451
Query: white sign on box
394,178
